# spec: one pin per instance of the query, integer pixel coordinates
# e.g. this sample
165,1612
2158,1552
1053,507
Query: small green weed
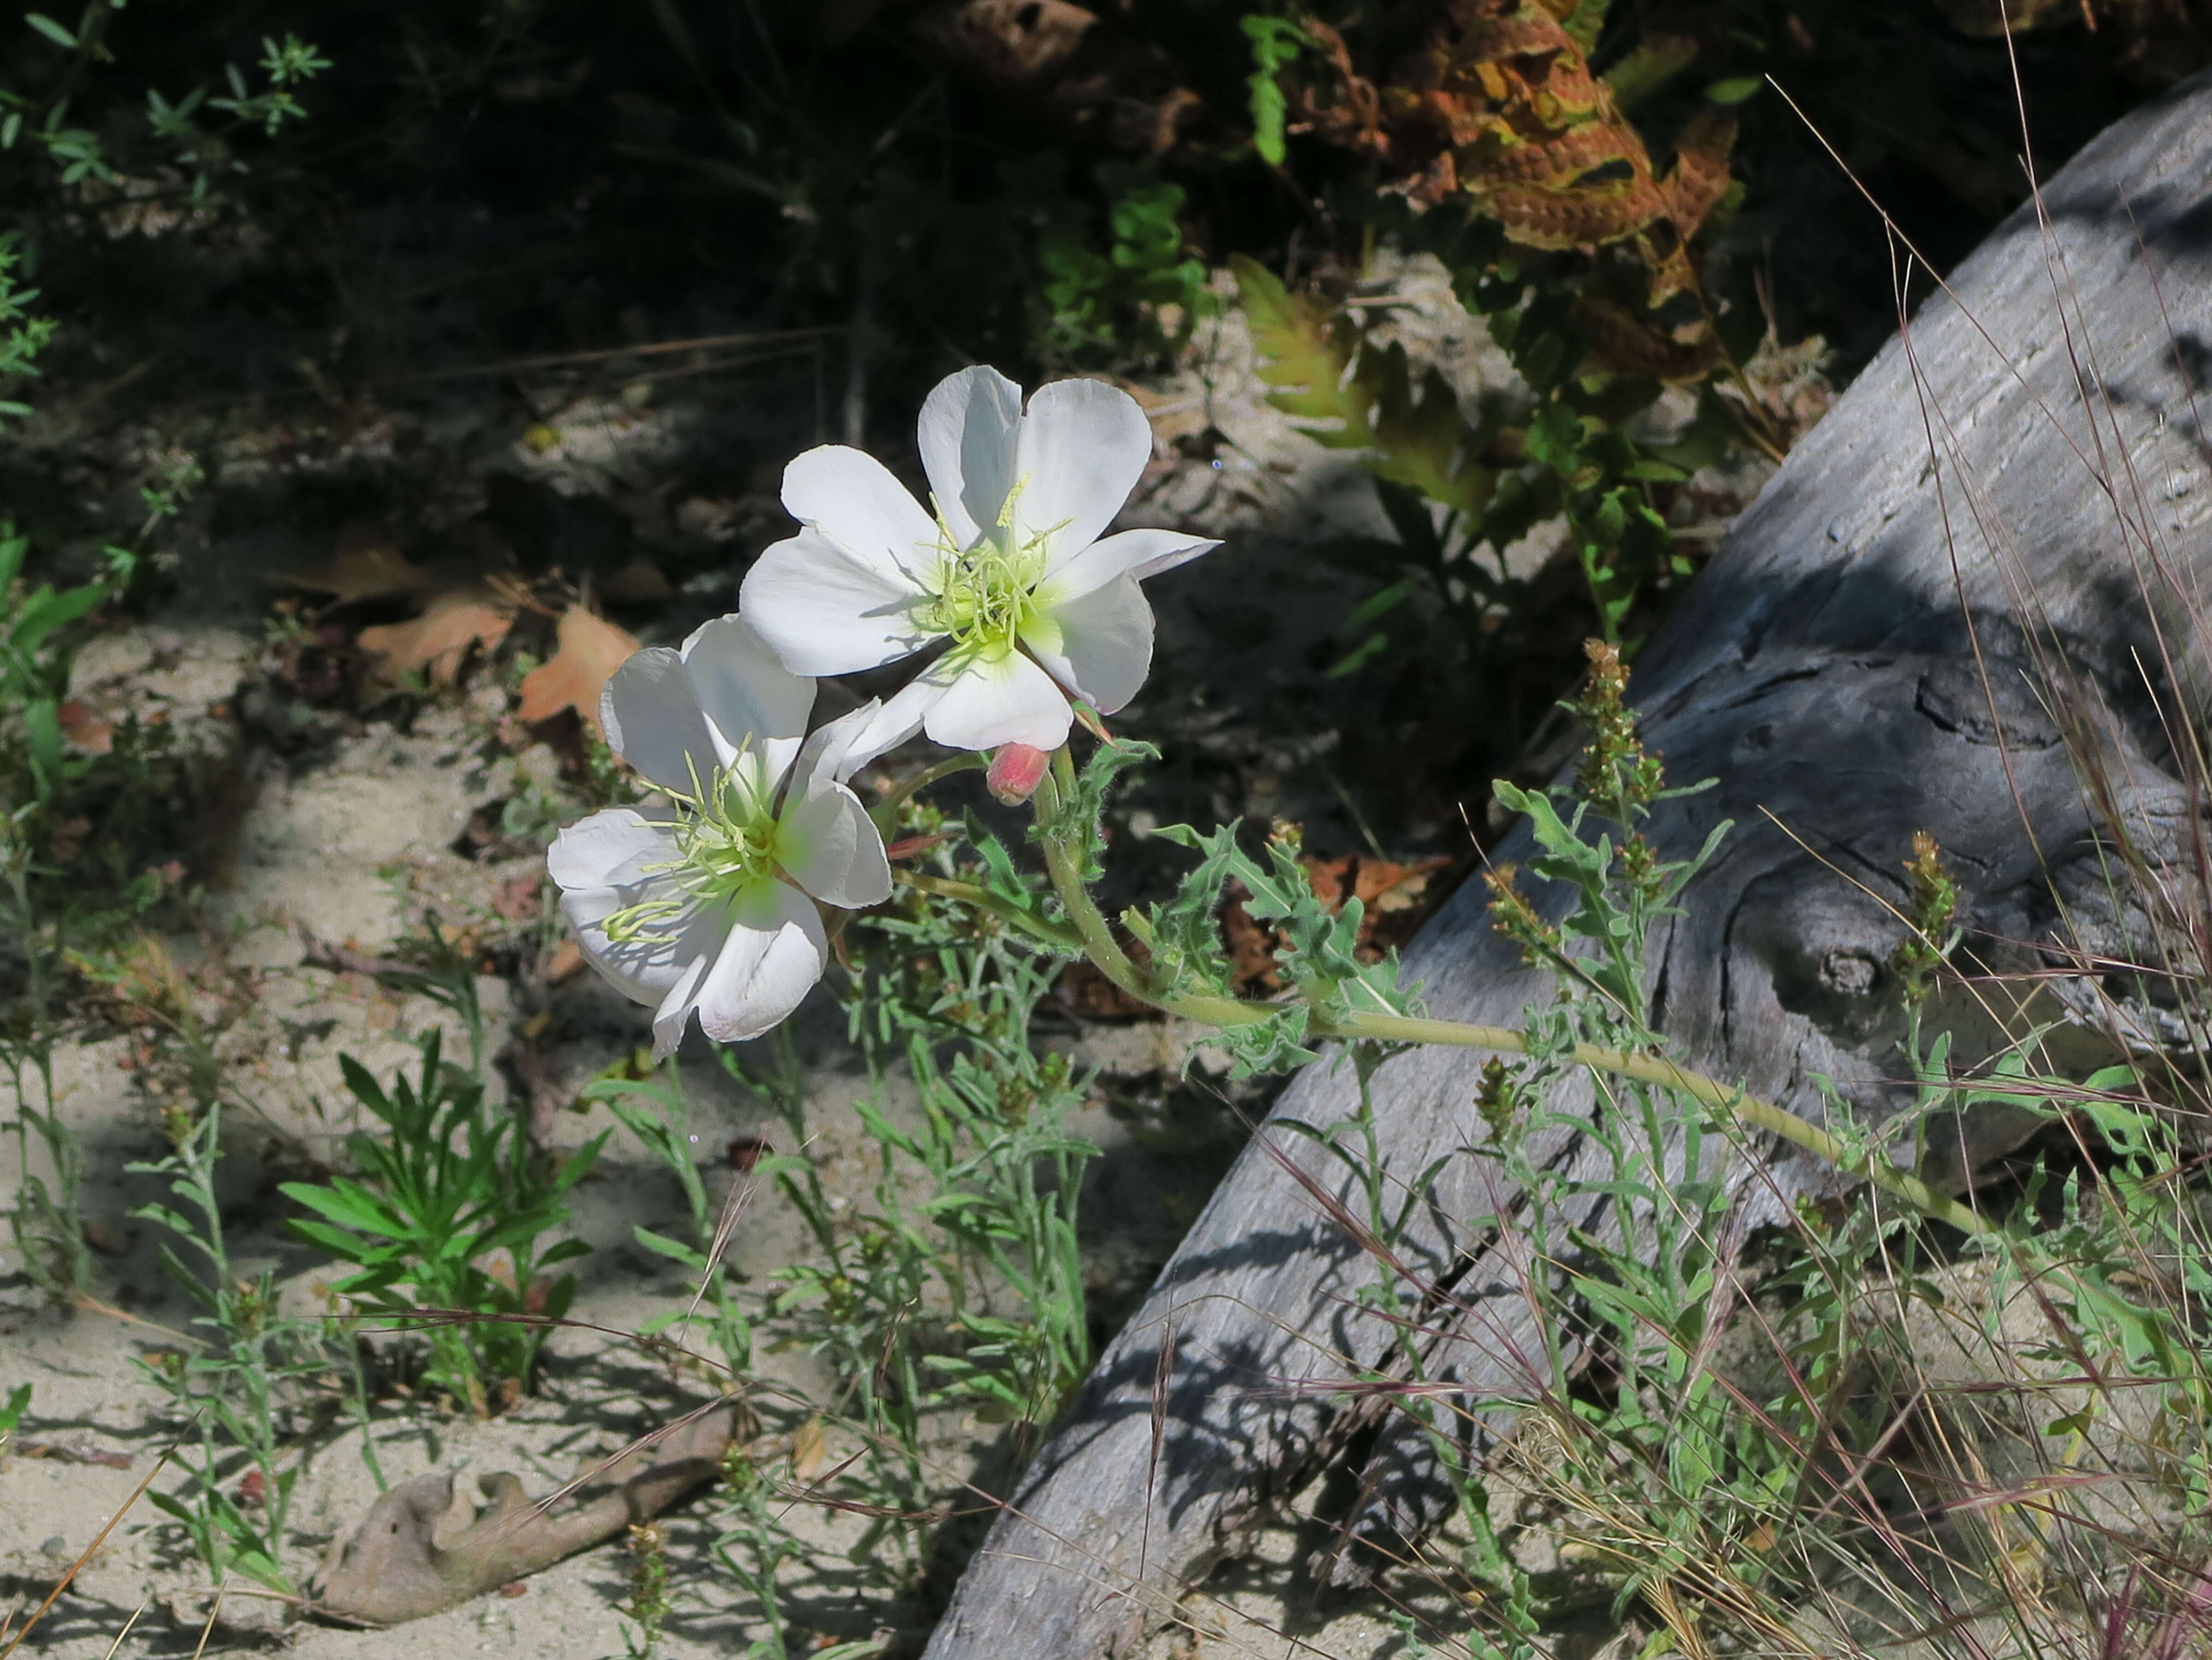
446,1193
230,1393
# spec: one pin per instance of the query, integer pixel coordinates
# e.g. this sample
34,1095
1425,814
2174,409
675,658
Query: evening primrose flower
1011,575
707,901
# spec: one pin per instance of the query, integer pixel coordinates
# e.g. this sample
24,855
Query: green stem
1106,952
968,893
1658,1069
886,811
1065,864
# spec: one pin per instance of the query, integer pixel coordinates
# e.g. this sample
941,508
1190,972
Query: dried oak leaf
365,565
439,640
1088,994
590,650
85,730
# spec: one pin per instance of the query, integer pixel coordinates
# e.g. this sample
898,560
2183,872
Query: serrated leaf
1264,1046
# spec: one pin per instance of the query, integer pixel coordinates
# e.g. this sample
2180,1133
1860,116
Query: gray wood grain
2019,482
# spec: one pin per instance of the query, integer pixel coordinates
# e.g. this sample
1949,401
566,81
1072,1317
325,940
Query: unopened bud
1016,771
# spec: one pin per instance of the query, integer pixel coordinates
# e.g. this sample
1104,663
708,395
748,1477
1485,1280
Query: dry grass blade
117,1643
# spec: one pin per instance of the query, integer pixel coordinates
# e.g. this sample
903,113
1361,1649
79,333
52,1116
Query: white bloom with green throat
1012,574
707,901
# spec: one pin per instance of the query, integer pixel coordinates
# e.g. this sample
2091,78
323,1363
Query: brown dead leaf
367,564
1389,894
637,583
439,640
1088,994
591,649
566,958
85,730
1251,948
517,900
810,1449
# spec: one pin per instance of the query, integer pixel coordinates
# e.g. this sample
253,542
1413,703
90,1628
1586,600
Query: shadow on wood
1868,656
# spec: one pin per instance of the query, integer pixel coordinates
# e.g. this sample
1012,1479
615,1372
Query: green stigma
727,833
985,595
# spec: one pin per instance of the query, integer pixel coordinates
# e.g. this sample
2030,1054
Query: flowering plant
709,903
712,901
1011,573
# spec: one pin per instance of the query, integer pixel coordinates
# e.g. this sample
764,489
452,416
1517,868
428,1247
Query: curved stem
1064,864
1106,952
886,811
968,893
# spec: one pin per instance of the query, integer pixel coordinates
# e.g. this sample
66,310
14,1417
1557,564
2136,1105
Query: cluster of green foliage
444,1191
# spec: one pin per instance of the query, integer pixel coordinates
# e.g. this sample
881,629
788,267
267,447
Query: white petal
646,970
1104,648
985,704
675,1010
888,725
775,953
609,849
1138,553
753,702
822,612
967,433
1084,445
853,499
828,846
651,718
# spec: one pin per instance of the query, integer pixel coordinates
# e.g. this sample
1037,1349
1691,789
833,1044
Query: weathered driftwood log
2022,477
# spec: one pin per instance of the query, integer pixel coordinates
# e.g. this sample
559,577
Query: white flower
1011,572
703,904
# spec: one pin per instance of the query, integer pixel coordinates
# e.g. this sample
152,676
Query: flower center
986,594
725,846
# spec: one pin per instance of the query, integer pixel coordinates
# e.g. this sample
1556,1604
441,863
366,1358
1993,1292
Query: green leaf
53,31
42,729
661,1245
1735,89
1649,66
1263,1047
47,610
1184,934
347,1204
1358,657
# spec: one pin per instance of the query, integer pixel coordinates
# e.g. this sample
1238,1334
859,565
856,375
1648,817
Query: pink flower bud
1016,771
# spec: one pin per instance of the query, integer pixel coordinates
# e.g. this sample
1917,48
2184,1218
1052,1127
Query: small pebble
58,1548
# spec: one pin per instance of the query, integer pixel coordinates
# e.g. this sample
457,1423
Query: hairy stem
1105,952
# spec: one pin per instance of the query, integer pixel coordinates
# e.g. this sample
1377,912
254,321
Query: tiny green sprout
1935,908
